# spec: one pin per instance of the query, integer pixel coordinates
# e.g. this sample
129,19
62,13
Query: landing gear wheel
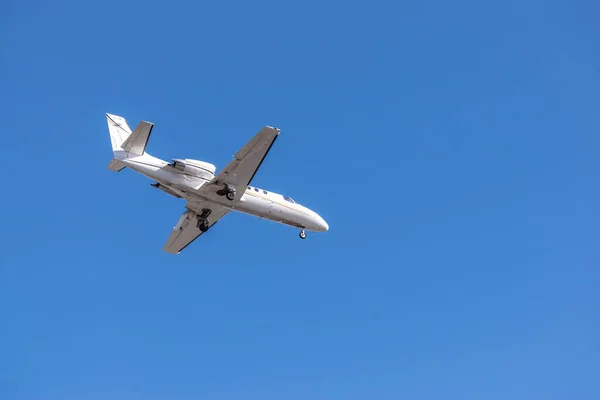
230,195
203,225
302,234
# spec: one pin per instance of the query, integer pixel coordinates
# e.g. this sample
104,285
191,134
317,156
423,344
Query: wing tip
168,249
277,130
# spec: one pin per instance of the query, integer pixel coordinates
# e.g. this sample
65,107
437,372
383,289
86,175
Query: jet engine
195,168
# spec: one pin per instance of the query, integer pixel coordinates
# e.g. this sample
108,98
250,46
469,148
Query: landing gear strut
302,234
202,223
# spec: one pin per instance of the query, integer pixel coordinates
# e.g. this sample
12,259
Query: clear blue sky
453,148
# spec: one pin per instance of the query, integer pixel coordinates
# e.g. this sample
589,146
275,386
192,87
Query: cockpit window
286,198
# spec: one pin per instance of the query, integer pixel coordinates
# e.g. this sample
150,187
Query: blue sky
452,148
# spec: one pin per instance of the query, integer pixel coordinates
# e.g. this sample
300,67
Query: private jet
209,197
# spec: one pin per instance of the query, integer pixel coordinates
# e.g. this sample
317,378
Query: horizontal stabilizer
137,141
116,165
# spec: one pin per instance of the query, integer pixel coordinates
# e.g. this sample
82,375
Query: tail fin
125,143
119,131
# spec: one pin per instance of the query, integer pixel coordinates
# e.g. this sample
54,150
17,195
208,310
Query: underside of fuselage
261,206
257,202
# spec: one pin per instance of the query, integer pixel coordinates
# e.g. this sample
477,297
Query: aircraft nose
322,226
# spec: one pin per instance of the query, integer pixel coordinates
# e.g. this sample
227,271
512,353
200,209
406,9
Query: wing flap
184,233
186,229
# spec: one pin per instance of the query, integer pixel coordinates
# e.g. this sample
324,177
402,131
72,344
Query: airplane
209,197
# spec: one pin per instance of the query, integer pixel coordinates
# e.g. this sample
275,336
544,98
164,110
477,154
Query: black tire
231,196
203,225
302,235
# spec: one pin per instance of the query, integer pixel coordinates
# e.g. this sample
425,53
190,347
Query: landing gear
230,194
302,234
202,223
227,192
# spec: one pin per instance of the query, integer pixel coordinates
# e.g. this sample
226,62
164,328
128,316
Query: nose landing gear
302,234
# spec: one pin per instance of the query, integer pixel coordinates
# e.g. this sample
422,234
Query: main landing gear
202,223
230,195
227,192
302,234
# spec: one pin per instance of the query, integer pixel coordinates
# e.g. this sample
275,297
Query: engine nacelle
196,168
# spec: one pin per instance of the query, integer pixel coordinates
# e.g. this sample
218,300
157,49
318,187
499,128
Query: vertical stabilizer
119,132
126,143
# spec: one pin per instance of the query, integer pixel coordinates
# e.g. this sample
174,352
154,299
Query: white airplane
209,197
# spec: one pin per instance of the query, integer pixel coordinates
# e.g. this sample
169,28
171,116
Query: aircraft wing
186,229
240,171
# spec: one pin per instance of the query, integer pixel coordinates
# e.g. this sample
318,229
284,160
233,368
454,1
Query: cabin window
286,198
264,191
249,188
256,189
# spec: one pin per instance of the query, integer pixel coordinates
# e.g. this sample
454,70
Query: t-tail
125,143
